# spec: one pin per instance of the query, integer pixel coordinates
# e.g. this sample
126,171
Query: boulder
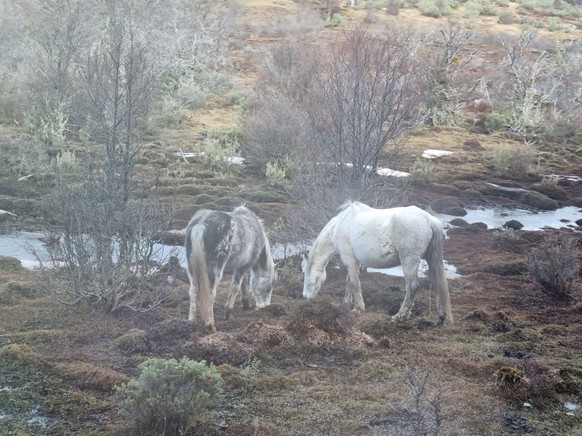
513,224
445,202
455,211
459,222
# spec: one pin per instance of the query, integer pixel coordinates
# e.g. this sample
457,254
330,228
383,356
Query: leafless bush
51,38
339,113
554,265
421,415
106,234
449,57
105,258
275,132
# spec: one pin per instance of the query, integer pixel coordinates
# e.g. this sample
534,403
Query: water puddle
496,217
21,245
450,270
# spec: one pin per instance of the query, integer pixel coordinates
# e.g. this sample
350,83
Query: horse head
313,277
263,275
261,284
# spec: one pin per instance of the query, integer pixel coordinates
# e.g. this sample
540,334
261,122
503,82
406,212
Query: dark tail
436,271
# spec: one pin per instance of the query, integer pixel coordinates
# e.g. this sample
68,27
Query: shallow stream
21,244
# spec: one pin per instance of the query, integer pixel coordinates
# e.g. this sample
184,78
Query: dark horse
232,242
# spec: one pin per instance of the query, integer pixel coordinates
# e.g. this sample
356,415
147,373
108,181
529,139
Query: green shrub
554,24
170,395
554,265
335,20
67,162
422,170
504,238
497,121
506,17
275,174
434,8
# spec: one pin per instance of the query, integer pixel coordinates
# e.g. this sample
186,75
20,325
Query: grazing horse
381,238
232,242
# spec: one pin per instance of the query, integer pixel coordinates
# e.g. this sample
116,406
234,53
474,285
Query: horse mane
345,205
356,204
242,209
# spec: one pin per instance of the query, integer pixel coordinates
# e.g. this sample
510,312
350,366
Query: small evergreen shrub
275,174
422,170
506,17
504,238
170,395
554,265
434,8
497,121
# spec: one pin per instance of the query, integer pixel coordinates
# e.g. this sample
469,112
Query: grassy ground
508,365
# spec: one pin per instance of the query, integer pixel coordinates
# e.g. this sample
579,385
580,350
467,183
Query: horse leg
353,293
206,305
245,295
348,297
410,269
233,292
193,313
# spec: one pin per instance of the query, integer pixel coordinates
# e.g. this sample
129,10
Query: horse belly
375,252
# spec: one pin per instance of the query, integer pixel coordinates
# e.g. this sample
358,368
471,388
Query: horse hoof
210,328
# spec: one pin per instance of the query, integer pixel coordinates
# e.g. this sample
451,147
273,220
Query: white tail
436,273
200,290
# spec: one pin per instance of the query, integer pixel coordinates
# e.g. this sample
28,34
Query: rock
468,230
524,196
459,222
455,211
554,192
445,202
579,222
479,226
513,224
540,201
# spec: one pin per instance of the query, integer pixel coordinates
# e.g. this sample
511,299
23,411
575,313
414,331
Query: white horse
381,238
233,242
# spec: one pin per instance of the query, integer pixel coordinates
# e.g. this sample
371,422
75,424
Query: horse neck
323,249
270,263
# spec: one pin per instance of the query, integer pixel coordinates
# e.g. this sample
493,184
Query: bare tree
348,109
449,54
107,230
363,102
527,74
365,98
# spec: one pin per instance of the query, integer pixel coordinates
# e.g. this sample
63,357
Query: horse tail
198,270
436,270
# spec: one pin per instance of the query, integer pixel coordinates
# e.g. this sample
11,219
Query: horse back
216,234
402,228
